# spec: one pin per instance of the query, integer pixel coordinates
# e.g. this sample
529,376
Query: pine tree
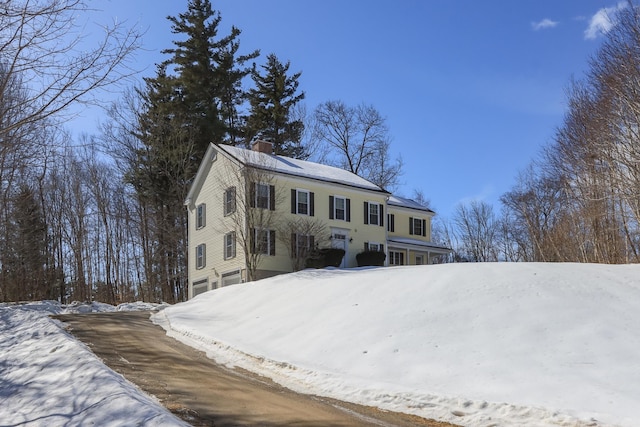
209,74
192,101
272,102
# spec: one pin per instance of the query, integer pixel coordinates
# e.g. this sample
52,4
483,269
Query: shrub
368,258
326,257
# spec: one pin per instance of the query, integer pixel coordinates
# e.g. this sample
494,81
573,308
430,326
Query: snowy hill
473,344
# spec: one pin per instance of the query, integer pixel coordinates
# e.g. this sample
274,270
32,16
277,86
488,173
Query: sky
471,91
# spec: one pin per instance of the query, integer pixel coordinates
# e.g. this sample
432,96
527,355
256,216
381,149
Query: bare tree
478,230
41,41
254,195
356,139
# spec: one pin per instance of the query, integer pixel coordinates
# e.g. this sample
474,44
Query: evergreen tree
209,74
192,101
272,102
25,260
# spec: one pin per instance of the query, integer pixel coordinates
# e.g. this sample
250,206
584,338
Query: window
230,245
340,208
391,223
302,202
396,258
201,216
373,213
417,226
301,245
374,246
263,241
419,260
229,202
201,256
262,196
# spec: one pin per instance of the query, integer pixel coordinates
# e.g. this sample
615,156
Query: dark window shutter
233,244
330,207
252,194
411,225
204,256
293,200
366,212
424,228
366,246
311,203
204,215
312,243
381,216
233,199
381,248
348,208
392,219
224,247
272,197
252,240
272,242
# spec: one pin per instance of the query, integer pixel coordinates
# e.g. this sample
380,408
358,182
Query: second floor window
340,208
373,213
201,215
417,227
229,202
302,202
391,223
262,196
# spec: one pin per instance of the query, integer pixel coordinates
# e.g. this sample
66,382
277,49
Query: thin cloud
544,24
603,21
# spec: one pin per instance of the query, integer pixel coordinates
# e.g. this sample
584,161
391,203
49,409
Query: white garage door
231,278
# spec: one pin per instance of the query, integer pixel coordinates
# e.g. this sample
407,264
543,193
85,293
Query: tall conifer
272,102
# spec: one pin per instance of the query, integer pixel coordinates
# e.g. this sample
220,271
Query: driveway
204,393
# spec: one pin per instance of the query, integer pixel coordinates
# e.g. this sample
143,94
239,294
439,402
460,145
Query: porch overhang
417,246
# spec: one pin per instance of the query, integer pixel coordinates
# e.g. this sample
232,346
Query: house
253,214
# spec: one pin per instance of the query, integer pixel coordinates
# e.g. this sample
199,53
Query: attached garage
231,278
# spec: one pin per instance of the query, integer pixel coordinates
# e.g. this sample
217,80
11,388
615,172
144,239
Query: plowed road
204,393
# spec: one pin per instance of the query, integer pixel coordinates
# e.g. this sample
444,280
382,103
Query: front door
340,240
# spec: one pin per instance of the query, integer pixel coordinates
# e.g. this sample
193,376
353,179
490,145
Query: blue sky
471,90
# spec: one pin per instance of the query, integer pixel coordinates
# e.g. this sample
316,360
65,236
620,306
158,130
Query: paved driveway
204,393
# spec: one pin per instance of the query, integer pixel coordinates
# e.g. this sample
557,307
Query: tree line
102,217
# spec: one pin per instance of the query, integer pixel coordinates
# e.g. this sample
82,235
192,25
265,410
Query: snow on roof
296,167
416,242
407,203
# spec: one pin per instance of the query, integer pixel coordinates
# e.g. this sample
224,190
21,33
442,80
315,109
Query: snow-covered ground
47,378
473,344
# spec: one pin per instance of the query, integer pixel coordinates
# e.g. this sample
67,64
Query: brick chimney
262,146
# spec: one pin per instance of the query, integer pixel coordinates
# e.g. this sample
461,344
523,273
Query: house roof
407,203
296,167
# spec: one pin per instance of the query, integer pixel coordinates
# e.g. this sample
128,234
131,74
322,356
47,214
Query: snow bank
474,344
47,378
